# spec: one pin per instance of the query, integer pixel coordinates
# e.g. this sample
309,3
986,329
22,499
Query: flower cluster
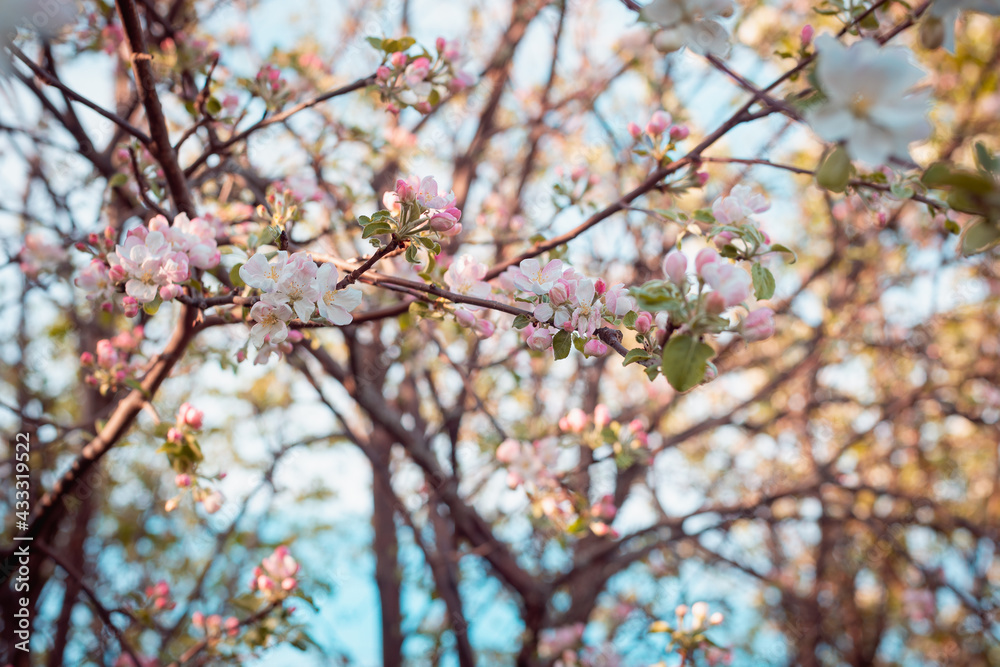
565,305
659,137
869,104
159,596
628,443
113,364
184,453
269,86
293,285
39,254
154,262
691,23
214,626
417,213
275,577
465,277
688,638
418,82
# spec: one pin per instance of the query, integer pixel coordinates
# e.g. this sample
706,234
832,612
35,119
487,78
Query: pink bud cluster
276,575
564,300
159,596
189,419
293,285
113,364
270,86
419,82
660,125
419,206
214,626
38,254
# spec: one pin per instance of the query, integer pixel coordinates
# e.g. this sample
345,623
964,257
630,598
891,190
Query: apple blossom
691,23
574,421
531,276
731,282
644,322
868,100
262,274
739,206
595,348
212,502
465,276
675,267
758,325
335,305
271,321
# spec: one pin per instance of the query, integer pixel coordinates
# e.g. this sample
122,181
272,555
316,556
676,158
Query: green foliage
684,361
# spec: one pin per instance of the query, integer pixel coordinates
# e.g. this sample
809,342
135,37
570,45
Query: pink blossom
574,421
335,305
383,73
484,328
595,348
729,280
679,132
658,123
532,277
675,267
634,130
705,256
644,322
508,451
131,306
188,415
271,322
183,480
538,338
212,502
807,34
602,416
758,325
398,59
740,205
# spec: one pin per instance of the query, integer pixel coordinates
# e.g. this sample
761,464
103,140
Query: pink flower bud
484,328
86,358
440,43
722,238
160,603
602,416
398,59
577,173
538,339
183,480
679,132
595,348
508,451
171,292
559,293
702,178
807,34
188,415
574,421
644,322
161,589
383,73
675,267
423,107
117,274
600,528
600,287
241,356
717,618
705,256
232,625
465,318
174,435
198,619
93,239
109,307
758,325
634,130
658,123
288,583
79,245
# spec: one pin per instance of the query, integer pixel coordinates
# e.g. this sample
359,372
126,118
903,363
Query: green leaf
374,228
777,247
374,41
213,106
952,227
980,236
562,343
986,160
684,361
763,281
835,172
636,355
704,215
411,254
234,275
152,306
434,97
630,318
521,321
652,372
118,180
